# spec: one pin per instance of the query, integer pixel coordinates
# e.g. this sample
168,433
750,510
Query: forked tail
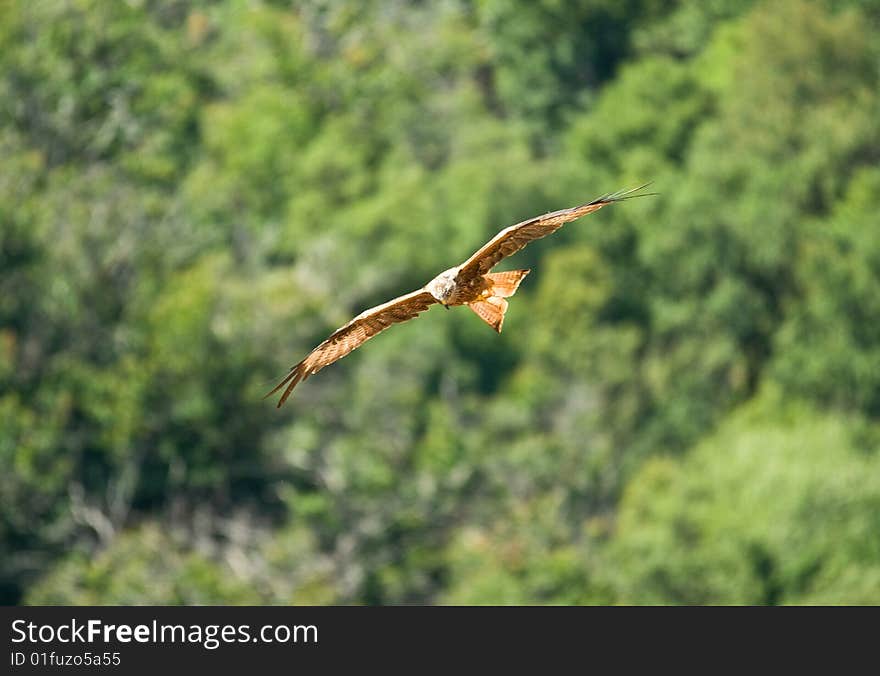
492,306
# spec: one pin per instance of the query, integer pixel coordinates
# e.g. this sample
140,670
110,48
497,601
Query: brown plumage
354,334
470,284
491,305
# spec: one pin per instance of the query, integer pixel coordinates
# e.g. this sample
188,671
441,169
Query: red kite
470,283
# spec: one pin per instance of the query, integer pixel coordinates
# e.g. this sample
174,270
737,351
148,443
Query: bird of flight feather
470,283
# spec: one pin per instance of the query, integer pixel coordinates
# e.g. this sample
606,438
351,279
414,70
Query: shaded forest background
684,406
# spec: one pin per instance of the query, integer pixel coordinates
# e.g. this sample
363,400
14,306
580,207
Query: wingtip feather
291,379
297,376
622,195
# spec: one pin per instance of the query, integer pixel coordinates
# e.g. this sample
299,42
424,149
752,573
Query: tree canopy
684,406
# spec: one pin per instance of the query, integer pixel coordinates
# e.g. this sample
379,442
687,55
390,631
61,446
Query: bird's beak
446,306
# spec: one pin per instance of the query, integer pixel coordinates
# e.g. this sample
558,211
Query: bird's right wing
354,334
512,239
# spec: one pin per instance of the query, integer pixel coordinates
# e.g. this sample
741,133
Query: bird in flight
470,283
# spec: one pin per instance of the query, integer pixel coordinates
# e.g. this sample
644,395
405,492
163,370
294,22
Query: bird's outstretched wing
512,239
354,334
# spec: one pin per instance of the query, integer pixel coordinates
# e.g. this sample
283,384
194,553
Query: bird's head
443,286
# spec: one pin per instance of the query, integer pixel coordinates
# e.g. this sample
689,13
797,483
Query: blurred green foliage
685,404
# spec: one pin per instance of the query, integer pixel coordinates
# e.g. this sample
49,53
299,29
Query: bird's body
470,283
449,289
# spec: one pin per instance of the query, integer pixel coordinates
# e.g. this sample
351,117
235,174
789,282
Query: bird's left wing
512,239
358,331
